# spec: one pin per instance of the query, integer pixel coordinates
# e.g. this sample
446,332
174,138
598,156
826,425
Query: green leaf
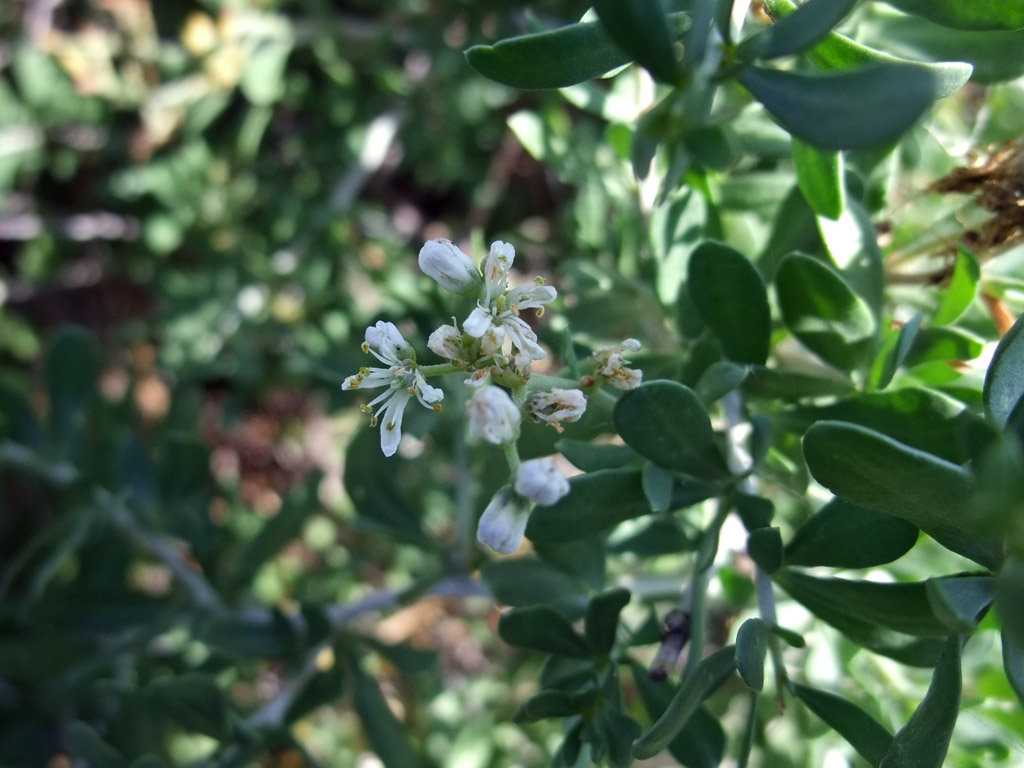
602,619
706,678
730,297
72,366
924,740
993,55
85,745
194,702
554,59
819,175
665,422
796,31
869,737
778,384
873,471
960,601
944,344
764,545
837,52
843,535
751,648
921,418
596,502
720,378
640,28
901,607
824,313
755,511
542,628
544,705
1013,663
894,351
967,14
854,109
590,457
618,731
1010,598
370,483
386,734
1004,382
658,484
958,295
701,742
529,580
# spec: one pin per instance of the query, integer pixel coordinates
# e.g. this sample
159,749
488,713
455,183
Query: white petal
391,423
478,322
539,480
450,268
503,523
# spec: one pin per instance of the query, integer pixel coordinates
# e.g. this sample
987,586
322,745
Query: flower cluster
495,347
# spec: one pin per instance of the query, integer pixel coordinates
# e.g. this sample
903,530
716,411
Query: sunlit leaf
819,174
980,14
824,313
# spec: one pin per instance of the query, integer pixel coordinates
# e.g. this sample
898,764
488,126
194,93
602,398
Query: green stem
699,589
438,369
511,455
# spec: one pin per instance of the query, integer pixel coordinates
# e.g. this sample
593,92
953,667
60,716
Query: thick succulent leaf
869,737
819,175
708,676
838,52
823,312
666,422
751,649
843,535
796,31
855,109
555,59
901,607
542,628
967,14
924,740
957,296
873,471
1004,382
960,601
596,502
730,297
640,28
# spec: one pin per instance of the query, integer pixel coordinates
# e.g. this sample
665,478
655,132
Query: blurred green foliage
204,560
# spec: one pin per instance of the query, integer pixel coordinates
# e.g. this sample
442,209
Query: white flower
503,522
451,343
500,307
450,268
539,480
610,366
556,406
493,416
401,377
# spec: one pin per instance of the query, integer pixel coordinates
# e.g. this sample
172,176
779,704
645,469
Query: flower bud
556,406
540,480
450,268
610,366
493,416
503,522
